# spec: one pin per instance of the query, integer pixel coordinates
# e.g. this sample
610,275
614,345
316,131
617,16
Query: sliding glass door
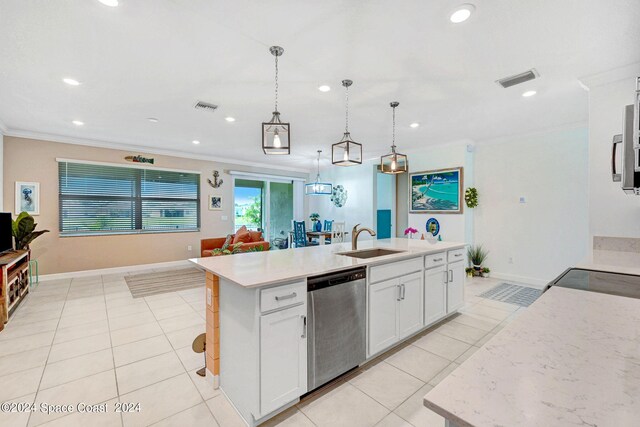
266,205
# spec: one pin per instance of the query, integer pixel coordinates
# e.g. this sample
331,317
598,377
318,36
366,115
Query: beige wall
35,160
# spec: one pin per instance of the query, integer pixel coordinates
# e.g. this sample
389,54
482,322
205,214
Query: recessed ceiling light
324,88
110,3
414,125
195,141
230,119
71,82
78,123
462,13
529,93
153,120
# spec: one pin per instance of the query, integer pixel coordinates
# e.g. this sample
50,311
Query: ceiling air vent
205,106
518,78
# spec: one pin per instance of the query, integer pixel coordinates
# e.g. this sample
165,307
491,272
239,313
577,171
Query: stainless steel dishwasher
336,325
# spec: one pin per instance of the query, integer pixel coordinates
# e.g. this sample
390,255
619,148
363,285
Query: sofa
253,240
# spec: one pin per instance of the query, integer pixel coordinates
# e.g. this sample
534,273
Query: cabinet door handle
457,255
446,276
284,297
451,275
399,297
304,326
437,259
404,290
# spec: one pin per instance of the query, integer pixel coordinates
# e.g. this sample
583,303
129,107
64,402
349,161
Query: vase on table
318,226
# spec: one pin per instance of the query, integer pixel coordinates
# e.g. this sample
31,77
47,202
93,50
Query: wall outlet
189,248
523,199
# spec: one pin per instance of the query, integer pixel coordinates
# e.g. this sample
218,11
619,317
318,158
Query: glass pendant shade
394,163
346,152
318,188
275,136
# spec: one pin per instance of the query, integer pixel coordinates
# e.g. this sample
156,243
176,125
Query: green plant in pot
477,255
469,271
486,272
24,230
471,197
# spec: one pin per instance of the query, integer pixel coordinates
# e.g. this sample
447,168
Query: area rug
144,285
513,294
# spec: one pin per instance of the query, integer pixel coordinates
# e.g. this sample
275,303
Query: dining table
322,236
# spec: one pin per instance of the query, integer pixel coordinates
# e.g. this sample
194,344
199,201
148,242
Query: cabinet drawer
379,273
456,255
434,260
282,296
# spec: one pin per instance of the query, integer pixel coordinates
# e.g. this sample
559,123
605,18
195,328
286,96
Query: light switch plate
224,218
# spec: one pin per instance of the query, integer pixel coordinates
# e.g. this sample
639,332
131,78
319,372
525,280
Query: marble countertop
572,358
266,268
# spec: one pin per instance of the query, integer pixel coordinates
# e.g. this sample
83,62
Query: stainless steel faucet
355,233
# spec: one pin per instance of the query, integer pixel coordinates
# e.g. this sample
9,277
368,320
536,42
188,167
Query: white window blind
101,199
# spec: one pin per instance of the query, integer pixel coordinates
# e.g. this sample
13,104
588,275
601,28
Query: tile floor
87,340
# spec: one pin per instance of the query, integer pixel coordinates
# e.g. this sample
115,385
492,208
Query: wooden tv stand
14,280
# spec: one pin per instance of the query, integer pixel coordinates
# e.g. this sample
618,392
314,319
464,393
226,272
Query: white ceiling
156,58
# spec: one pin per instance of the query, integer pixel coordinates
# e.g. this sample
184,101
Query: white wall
549,232
453,227
612,212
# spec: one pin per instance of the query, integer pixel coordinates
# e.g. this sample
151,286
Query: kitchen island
257,308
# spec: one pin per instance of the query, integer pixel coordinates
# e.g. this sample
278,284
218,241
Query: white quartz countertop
614,261
572,358
256,269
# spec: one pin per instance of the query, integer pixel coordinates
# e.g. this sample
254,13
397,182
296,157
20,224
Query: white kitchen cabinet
283,357
410,306
455,286
383,315
435,294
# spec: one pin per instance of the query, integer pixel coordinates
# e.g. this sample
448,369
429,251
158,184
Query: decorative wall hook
216,183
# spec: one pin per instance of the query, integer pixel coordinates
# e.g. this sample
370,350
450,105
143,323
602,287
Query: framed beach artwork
215,203
28,197
437,191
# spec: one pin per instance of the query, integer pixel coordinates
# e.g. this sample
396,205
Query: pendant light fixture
347,152
318,188
394,162
275,133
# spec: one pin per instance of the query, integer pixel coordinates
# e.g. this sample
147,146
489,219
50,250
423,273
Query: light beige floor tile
442,345
23,361
12,331
89,308
110,418
224,413
161,400
17,419
190,359
131,320
499,305
172,311
81,331
476,321
204,385
185,337
386,384
292,417
485,339
414,411
487,311
135,333
93,389
344,406
461,332
142,349
30,342
443,374
418,362
125,310
392,420
20,383
81,319
181,322
467,354
199,415
75,368
148,371
158,302
75,348
38,316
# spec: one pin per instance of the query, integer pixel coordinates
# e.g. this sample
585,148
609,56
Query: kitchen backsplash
620,244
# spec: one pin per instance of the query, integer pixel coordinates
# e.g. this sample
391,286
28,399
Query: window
103,199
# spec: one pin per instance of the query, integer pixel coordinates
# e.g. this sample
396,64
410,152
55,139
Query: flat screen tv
6,235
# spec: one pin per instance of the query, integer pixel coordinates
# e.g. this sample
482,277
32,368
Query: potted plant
409,232
471,197
477,255
315,219
486,272
469,271
24,231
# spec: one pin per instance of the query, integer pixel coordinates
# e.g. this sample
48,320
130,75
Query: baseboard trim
112,270
538,283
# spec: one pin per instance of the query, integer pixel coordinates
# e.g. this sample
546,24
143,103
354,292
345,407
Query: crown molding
626,72
20,133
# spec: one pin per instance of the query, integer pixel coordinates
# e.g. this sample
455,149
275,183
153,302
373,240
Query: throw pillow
227,242
242,235
256,236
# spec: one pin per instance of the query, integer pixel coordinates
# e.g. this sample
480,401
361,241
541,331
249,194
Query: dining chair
337,232
300,235
327,224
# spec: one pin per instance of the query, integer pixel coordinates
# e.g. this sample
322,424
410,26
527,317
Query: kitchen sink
370,253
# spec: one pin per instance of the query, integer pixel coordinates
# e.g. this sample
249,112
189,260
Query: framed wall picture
215,203
437,191
27,197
